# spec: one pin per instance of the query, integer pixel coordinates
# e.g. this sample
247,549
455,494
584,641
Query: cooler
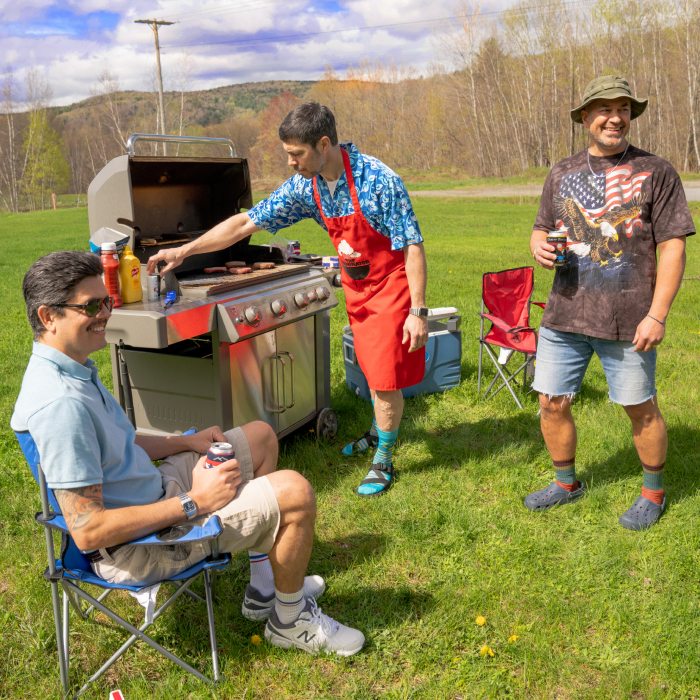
443,357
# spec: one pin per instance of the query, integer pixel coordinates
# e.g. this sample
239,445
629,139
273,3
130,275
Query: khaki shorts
250,521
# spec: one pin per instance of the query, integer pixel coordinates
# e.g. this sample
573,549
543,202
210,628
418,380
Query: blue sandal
378,481
362,444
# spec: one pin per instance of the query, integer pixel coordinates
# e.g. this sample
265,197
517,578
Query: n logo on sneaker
308,638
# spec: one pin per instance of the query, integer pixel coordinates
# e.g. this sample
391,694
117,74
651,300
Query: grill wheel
327,424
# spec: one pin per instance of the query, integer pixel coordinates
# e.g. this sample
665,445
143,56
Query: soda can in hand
218,453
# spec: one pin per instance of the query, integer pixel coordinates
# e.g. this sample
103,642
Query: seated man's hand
201,440
214,488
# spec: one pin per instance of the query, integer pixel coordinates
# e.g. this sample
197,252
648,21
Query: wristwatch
188,505
419,311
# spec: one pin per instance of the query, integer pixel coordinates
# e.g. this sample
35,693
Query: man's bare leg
559,433
388,410
651,442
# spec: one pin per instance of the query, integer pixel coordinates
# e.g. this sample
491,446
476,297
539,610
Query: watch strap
419,311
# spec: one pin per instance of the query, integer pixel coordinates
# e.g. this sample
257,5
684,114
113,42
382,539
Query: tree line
496,102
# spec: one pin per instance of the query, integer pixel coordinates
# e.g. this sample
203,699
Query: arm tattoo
79,505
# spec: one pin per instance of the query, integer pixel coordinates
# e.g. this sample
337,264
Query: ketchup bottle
110,263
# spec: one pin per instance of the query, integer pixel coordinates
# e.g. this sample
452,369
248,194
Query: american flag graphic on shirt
600,193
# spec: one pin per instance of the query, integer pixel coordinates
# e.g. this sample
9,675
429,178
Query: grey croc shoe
642,514
553,495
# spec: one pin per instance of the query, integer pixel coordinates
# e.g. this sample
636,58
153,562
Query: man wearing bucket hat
626,218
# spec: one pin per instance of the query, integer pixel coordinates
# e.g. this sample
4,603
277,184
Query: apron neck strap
351,186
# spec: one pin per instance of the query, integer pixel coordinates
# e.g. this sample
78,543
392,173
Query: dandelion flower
480,620
513,638
486,650
256,640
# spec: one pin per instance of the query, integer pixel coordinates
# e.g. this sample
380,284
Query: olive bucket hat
608,87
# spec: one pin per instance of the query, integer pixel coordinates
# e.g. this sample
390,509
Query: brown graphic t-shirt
615,215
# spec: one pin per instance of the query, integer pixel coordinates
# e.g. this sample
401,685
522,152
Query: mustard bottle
130,277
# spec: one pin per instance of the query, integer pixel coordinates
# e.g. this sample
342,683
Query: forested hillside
498,103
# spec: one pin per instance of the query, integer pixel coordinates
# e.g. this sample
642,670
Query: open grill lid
164,201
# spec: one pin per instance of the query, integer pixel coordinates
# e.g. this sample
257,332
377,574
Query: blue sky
72,44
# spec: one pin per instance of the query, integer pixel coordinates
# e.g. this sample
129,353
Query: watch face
188,505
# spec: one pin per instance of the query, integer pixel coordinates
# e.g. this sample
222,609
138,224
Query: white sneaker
255,607
313,631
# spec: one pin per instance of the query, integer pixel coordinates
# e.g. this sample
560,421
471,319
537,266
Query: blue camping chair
72,568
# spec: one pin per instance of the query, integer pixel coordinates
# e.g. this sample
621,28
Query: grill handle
165,138
279,362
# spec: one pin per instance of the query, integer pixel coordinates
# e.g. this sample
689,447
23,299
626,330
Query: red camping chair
505,302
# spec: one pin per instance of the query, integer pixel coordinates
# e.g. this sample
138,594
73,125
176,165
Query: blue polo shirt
81,432
382,194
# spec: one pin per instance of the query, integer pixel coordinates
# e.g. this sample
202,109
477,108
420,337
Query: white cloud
218,42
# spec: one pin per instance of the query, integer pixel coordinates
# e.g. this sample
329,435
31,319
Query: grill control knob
311,295
322,293
300,300
278,307
252,315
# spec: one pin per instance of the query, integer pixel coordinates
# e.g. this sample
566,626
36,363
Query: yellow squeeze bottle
130,277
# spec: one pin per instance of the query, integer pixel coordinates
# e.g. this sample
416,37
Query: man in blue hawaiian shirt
367,212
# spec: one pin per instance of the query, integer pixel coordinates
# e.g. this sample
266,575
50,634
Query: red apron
377,296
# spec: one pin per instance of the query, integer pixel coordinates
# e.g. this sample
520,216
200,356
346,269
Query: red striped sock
565,474
654,495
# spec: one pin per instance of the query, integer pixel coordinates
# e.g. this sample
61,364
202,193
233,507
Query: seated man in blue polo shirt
110,492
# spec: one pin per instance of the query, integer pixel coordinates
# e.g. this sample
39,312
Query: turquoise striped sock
387,440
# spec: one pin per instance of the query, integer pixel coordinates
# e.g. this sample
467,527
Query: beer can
558,240
293,248
219,452
152,287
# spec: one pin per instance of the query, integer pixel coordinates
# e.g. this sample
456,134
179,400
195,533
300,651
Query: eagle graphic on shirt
596,236
597,209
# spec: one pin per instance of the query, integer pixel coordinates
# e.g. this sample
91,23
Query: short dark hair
51,280
307,123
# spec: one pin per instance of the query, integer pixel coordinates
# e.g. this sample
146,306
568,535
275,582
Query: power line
300,38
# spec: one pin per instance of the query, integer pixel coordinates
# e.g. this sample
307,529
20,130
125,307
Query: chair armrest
55,521
185,532
502,325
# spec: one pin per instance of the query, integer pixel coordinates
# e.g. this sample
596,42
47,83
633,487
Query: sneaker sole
285,643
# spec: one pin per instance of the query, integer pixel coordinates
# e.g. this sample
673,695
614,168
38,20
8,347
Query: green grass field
574,606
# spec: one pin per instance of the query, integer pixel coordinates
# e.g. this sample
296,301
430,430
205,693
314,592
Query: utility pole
154,24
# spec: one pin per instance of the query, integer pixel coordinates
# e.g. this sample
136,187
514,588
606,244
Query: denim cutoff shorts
562,360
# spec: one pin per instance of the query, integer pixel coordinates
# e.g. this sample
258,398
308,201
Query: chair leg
60,639
504,379
136,635
212,627
481,354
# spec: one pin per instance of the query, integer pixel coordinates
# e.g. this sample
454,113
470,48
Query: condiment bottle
130,277
110,263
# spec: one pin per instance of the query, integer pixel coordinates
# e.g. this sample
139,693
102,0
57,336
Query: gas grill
232,348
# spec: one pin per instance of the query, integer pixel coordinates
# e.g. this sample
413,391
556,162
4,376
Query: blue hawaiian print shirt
383,199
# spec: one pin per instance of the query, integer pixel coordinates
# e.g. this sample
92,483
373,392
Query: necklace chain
594,181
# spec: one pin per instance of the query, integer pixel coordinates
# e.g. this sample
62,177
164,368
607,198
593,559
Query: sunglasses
92,307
